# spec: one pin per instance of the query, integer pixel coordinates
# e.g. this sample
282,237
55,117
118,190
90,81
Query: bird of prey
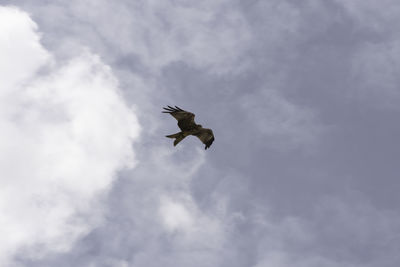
189,127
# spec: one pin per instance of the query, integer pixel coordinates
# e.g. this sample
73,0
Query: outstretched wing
206,136
185,119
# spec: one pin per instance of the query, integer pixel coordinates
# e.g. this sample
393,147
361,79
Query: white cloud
180,215
65,133
175,215
20,51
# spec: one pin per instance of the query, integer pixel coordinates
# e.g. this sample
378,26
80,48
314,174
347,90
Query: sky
302,96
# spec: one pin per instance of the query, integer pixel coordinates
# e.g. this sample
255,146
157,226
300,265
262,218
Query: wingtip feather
170,109
178,108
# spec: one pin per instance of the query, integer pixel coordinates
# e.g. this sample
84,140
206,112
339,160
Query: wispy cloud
209,35
284,125
376,63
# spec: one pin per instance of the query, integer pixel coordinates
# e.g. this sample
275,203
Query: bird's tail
178,137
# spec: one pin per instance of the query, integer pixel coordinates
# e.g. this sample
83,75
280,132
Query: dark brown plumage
189,127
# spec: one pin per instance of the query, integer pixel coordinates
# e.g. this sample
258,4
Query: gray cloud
302,100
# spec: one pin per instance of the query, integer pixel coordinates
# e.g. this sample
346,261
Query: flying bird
189,127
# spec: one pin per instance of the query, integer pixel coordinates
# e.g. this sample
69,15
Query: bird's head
200,126
209,142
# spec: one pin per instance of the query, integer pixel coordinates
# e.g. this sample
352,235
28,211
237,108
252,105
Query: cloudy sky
303,98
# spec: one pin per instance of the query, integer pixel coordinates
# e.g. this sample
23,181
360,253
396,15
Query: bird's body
189,127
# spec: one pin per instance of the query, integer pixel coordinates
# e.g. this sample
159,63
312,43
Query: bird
188,127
